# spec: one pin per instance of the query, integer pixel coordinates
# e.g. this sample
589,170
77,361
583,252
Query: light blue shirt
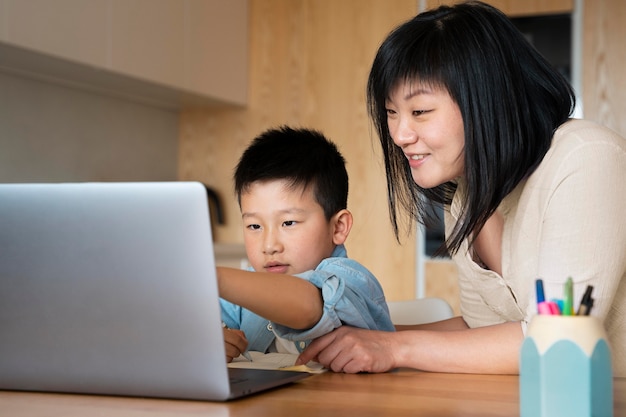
352,296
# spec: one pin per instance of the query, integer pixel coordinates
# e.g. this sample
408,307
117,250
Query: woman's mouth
415,160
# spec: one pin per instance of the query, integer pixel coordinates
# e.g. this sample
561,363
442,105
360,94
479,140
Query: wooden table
401,393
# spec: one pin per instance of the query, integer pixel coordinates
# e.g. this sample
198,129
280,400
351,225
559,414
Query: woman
470,115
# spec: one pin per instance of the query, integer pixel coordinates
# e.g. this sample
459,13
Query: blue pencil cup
565,368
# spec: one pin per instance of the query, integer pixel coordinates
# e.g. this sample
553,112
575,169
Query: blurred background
166,90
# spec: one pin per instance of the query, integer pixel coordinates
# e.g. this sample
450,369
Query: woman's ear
342,223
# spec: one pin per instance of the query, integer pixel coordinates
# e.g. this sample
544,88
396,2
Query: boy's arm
283,299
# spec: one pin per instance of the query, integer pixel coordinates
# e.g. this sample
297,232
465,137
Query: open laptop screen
109,288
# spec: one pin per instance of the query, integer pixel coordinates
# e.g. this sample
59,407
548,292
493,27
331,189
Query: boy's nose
272,244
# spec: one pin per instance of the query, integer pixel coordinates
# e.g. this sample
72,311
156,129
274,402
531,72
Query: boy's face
285,230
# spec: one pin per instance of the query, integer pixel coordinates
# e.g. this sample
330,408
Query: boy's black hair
305,157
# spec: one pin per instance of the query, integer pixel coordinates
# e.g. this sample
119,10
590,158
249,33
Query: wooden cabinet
71,29
194,47
147,40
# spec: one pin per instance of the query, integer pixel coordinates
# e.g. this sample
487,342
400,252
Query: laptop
110,288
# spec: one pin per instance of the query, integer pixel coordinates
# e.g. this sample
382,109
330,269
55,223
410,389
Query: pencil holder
565,368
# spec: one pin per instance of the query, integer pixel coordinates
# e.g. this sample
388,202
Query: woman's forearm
454,323
490,350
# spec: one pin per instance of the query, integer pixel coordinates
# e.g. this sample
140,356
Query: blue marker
539,287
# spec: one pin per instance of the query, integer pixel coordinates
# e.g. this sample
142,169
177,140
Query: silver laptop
110,288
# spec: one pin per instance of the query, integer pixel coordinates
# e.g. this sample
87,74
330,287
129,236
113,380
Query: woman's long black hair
511,100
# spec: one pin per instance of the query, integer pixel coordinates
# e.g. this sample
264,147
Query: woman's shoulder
580,147
580,132
579,143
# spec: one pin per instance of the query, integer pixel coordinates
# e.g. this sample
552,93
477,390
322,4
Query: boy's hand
235,342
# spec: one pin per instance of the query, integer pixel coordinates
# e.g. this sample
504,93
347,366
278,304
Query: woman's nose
403,133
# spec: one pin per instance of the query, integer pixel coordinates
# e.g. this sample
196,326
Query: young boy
292,189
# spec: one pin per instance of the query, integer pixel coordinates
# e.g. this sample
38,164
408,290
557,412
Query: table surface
399,393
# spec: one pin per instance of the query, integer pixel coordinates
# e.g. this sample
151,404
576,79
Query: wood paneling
441,281
520,7
308,65
604,63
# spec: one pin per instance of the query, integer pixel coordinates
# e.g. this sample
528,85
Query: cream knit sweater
567,219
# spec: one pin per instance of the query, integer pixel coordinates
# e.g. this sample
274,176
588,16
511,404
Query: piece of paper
273,360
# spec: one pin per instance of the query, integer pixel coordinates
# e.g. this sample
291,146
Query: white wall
52,133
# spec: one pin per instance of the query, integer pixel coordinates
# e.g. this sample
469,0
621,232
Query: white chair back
419,311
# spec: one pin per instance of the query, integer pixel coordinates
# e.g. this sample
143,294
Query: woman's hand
446,346
351,350
235,342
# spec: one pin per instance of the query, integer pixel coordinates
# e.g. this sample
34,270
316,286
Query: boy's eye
289,223
253,227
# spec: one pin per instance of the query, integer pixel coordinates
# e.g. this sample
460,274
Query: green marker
568,297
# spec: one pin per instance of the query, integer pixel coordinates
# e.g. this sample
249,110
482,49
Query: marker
245,354
568,297
559,304
544,308
585,309
548,308
586,303
539,288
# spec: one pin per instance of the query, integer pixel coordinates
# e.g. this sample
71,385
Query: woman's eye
419,112
390,112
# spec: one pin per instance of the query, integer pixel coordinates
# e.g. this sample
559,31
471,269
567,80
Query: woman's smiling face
427,125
